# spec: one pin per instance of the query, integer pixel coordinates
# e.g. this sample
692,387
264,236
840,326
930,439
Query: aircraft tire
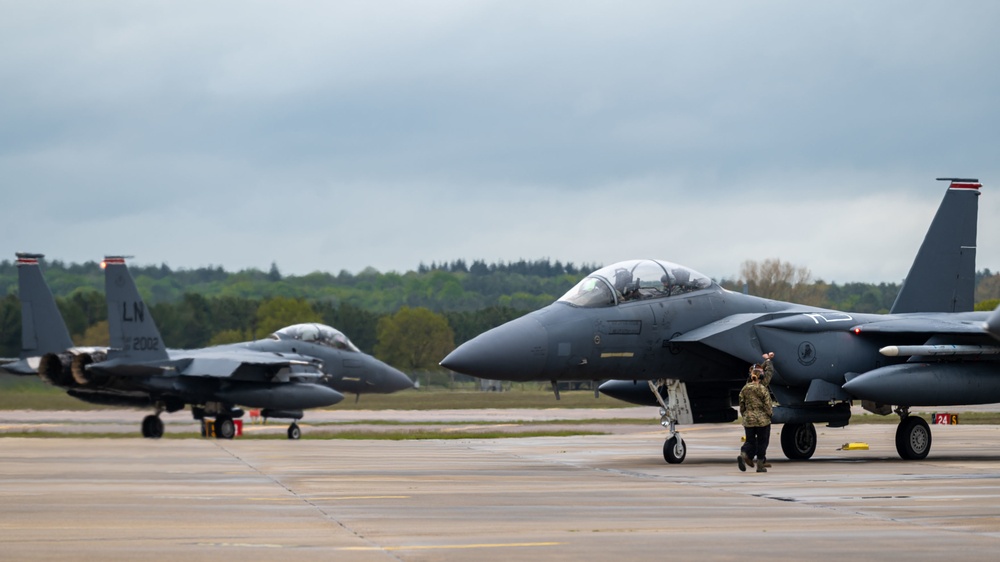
798,441
913,438
674,450
145,426
294,433
225,428
152,427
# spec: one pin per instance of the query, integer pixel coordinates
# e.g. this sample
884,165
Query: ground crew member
756,409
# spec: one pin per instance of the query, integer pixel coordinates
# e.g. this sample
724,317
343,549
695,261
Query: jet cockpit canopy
635,280
319,334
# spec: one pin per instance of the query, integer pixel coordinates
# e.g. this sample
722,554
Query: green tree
186,325
228,336
10,326
97,335
235,314
278,312
987,305
414,339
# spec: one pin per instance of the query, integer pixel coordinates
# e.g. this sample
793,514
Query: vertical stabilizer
133,332
943,275
43,329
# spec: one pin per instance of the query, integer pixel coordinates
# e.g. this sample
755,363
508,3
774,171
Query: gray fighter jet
667,335
298,367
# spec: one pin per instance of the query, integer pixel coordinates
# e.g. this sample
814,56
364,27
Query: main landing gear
223,426
152,426
675,409
798,441
913,436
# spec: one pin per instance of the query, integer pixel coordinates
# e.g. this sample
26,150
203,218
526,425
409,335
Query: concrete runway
550,498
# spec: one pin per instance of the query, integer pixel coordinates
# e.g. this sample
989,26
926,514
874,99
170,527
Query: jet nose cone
515,351
395,380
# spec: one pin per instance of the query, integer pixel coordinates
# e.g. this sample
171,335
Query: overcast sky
340,135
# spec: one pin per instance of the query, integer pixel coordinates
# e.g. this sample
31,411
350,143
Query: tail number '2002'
145,344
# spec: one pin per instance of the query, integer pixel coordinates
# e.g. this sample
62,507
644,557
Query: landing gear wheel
294,432
913,438
225,428
674,450
152,427
798,441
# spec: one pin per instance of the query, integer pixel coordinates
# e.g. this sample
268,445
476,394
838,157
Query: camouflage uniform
768,373
756,409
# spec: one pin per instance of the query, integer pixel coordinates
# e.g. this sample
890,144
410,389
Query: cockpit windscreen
635,280
318,334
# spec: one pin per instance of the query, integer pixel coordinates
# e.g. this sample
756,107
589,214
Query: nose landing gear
675,409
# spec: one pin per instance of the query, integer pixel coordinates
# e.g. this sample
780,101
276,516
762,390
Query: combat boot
761,468
740,463
746,458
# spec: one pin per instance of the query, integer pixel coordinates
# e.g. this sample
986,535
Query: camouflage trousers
756,443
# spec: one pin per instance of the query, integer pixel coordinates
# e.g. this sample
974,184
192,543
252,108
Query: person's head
756,373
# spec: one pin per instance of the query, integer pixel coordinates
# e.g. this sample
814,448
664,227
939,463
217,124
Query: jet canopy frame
634,280
319,334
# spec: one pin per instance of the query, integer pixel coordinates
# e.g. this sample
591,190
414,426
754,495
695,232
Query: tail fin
43,329
943,275
133,332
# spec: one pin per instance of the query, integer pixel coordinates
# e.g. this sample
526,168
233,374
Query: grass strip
319,435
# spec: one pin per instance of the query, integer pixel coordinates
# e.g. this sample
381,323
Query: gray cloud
328,136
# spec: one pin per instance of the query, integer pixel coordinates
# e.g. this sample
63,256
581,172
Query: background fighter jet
298,367
673,337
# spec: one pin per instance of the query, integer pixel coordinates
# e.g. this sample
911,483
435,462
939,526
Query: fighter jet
298,367
667,335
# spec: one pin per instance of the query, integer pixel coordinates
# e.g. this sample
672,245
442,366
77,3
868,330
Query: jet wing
241,365
733,335
252,367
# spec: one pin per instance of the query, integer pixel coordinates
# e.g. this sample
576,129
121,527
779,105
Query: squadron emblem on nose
807,353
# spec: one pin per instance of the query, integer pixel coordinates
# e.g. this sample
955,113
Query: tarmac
594,497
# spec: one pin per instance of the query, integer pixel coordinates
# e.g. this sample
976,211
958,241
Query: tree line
381,311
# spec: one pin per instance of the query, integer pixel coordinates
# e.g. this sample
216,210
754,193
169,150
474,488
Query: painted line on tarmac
448,546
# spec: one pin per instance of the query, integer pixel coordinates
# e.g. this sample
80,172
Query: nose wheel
675,409
674,450
294,432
